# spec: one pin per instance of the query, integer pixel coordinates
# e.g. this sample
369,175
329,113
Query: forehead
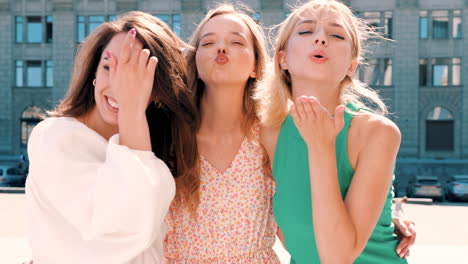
225,23
115,43
322,15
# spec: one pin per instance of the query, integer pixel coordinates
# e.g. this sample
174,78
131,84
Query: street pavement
442,232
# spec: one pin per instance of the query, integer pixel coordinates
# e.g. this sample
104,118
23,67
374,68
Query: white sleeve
124,196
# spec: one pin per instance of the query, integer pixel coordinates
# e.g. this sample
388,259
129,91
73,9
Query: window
34,73
440,24
380,21
19,73
49,29
456,24
423,25
94,22
29,119
87,24
377,72
49,73
33,29
456,71
439,130
173,21
446,72
422,72
19,29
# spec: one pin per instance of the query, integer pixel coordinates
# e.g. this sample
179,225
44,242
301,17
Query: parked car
426,187
11,177
3,178
457,188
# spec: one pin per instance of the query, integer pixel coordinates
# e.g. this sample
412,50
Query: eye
237,43
305,32
206,44
338,37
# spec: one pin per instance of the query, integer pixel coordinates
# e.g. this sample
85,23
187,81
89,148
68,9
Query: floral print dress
234,222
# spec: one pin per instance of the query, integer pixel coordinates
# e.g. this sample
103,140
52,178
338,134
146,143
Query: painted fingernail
398,251
132,31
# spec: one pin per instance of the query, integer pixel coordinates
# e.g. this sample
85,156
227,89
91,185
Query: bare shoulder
269,137
376,128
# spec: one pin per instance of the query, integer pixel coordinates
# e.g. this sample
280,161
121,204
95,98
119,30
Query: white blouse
94,201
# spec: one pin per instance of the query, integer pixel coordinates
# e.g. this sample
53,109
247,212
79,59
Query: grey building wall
409,103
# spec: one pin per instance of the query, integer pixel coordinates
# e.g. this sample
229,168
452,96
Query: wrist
321,147
131,117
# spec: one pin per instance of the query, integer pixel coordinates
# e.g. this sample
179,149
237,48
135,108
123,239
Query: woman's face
107,107
225,54
319,49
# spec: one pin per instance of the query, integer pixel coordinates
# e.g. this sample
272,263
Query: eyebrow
310,21
233,32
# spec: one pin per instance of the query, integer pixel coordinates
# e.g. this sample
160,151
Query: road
442,232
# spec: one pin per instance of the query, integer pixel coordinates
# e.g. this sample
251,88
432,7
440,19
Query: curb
12,190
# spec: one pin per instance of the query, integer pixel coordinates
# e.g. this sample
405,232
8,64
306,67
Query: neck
328,93
93,120
221,109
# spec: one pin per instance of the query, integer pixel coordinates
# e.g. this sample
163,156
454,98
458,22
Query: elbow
344,254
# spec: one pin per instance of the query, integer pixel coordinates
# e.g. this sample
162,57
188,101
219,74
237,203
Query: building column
7,77
64,45
464,74
406,25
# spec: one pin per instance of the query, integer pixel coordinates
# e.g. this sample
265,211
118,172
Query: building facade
422,72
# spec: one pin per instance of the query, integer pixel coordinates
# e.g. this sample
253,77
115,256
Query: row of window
34,73
34,29
435,24
442,24
377,73
444,71
432,72
37,29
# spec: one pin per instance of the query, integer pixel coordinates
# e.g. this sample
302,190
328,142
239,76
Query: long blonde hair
275,92
189,185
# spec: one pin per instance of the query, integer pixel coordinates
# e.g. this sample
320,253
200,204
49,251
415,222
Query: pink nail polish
132,31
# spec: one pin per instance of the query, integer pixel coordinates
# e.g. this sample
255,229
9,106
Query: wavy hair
274,94
171,123
188,186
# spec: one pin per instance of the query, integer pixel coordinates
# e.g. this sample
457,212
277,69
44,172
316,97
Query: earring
94,82
157,104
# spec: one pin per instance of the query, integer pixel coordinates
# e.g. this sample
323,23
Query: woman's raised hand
132,75
315,124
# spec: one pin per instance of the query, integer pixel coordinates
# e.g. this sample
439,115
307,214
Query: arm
120,197
342,228
132,77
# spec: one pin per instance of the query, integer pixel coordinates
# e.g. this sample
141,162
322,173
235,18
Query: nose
321,38
222,47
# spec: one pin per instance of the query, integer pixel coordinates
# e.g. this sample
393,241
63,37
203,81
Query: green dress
292,205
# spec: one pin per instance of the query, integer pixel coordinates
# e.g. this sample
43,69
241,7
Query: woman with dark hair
98,190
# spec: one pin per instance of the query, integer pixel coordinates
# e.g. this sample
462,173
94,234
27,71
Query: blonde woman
333,158
222,211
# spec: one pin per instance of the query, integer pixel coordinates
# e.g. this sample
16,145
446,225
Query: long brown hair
171,122
188,187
